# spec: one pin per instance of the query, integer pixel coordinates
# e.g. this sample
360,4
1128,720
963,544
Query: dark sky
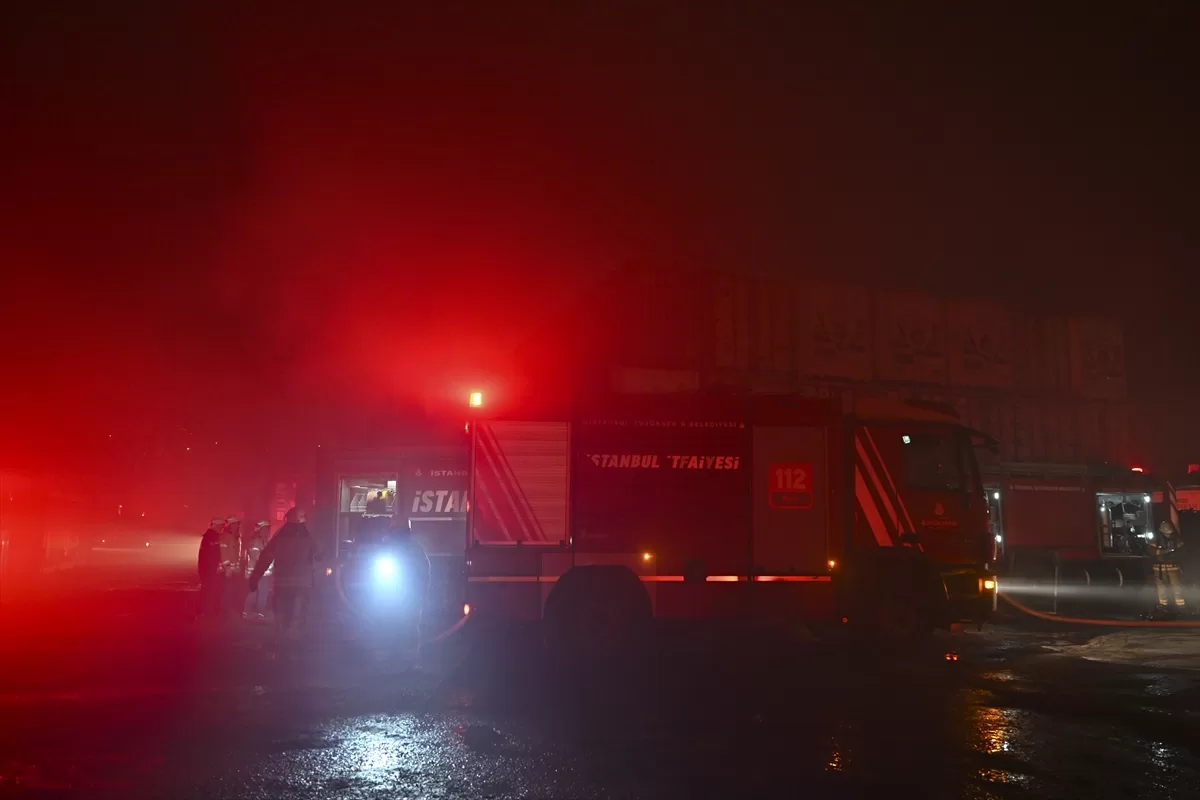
211,211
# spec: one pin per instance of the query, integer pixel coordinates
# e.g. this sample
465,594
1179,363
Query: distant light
143,513
1136,469
466,609
995,495
188,449
832,564
1146,498
475,399
906,439
147,544
647,556
999,539
328,571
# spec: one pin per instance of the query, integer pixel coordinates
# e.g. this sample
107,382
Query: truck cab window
932,461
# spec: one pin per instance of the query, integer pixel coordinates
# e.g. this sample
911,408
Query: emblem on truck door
941,523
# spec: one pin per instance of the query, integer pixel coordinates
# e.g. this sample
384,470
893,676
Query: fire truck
602,518
1092,523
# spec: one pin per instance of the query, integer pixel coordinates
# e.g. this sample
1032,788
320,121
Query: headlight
386,569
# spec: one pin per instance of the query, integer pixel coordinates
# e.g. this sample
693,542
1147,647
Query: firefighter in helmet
1168,580
252,548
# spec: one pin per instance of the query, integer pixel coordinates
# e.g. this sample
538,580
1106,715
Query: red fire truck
599,519
1093,523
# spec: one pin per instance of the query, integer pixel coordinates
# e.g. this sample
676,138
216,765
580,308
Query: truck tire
893,601
901,623
596,615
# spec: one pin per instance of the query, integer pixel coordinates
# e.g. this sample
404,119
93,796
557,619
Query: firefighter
376,504
231,560
414,565
252,549
1168,581
209,567
234,525
292,552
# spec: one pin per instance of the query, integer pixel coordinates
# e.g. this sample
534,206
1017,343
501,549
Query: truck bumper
970,594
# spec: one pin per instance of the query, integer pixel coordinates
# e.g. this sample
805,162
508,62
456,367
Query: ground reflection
997,732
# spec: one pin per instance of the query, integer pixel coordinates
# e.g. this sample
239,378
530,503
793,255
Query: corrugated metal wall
1048,388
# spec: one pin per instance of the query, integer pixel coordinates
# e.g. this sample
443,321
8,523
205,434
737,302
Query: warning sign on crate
790,486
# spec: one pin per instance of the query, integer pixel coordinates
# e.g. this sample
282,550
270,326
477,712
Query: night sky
237,218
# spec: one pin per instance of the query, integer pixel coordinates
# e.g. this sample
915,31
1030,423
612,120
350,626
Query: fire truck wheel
901,622
597,613
891,600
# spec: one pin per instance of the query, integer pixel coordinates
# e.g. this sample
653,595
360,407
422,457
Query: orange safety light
475,399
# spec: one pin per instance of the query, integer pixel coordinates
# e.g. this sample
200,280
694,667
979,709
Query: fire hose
1108,623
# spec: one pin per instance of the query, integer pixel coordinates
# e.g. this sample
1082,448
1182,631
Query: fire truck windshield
935,461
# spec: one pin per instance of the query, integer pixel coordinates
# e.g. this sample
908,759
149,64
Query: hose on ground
1107,623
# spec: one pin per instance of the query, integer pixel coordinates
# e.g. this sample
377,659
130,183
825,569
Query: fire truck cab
601,518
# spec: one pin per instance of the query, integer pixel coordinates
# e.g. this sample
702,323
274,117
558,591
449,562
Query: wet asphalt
107,689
